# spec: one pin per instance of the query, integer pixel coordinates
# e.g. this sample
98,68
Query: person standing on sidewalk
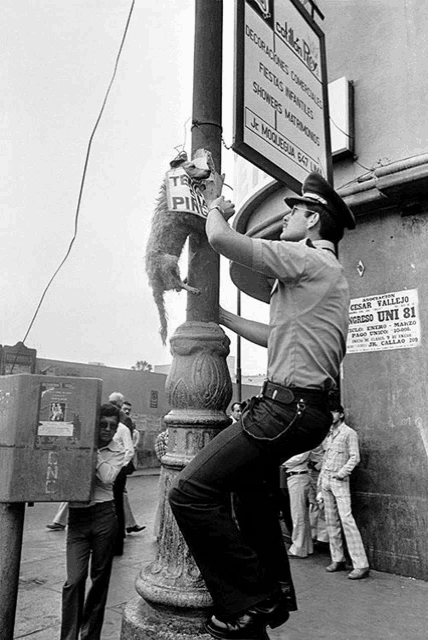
299,486
161,447
131,525
247,570
91,535
124,438
59,521
316,509
340,458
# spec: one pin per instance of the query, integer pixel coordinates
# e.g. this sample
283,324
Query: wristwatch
216,207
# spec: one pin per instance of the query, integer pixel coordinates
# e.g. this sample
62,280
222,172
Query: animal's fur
169,231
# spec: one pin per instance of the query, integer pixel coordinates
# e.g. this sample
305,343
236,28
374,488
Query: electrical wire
341,130
181,147
82,183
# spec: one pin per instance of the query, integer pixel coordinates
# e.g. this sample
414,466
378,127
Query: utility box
48,437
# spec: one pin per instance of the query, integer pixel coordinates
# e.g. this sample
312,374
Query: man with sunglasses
246,569
91,536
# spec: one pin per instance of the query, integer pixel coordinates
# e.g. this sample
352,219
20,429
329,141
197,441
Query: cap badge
315,196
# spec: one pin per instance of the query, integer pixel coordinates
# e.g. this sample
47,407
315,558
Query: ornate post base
199,391
141,622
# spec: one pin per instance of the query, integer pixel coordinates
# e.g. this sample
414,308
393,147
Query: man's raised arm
225,240
239,248
255,332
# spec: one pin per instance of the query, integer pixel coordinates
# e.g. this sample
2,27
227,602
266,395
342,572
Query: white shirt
110,460
124,438
298,462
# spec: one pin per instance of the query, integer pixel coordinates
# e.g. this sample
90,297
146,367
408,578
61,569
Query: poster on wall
281,98
385,321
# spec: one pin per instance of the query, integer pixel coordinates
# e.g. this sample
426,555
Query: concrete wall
381,45
385,393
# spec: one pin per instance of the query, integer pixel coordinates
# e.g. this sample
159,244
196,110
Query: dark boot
273,610
243,627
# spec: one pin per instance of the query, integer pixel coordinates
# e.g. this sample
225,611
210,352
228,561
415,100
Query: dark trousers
118,490
243,564
284,501
91,535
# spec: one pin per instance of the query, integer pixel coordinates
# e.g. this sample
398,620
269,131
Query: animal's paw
190,289
193,290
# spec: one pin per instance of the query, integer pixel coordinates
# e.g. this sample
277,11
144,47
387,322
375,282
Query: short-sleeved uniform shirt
309,305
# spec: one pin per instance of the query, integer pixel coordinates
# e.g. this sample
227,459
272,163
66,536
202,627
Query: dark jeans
91,530
118,491
243,565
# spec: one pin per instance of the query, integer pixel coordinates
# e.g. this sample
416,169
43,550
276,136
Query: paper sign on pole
184,195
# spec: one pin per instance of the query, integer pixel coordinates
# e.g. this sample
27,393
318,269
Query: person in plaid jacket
161,444
340,458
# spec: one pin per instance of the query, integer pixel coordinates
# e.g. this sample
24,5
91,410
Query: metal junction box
47,437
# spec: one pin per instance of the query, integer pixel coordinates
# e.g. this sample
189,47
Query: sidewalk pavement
331,607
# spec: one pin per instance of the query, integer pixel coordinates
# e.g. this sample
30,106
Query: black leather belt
294,473
287,395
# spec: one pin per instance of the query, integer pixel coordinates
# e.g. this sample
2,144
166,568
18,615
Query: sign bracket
315,9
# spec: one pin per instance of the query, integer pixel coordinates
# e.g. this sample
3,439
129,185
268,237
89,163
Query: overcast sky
57,62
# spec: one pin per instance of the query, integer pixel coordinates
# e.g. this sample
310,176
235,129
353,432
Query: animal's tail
163,316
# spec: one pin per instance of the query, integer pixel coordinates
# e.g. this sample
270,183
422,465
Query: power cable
82,183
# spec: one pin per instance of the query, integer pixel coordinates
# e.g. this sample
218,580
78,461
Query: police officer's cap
316,190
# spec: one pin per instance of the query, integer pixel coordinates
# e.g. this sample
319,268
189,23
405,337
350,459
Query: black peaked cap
316,190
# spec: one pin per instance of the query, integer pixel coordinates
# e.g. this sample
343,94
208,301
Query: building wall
386,398
382,46
146,391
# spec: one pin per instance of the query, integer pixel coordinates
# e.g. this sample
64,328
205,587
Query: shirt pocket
339,453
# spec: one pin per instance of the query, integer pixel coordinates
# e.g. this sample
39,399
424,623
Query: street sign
281,100
17,359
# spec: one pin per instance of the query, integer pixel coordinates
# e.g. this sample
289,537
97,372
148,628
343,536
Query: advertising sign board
48,437
384,321
281,99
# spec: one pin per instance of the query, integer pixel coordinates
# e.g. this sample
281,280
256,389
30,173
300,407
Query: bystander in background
124,438
91,537
341,457
299,485
59,521
131,525
316,508
161,447
236,411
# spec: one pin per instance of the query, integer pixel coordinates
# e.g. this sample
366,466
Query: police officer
246,569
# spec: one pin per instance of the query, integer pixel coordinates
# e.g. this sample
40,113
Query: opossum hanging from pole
170,227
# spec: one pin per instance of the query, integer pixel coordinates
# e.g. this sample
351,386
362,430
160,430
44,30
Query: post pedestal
199,390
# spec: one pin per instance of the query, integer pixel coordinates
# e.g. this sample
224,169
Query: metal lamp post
173,599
